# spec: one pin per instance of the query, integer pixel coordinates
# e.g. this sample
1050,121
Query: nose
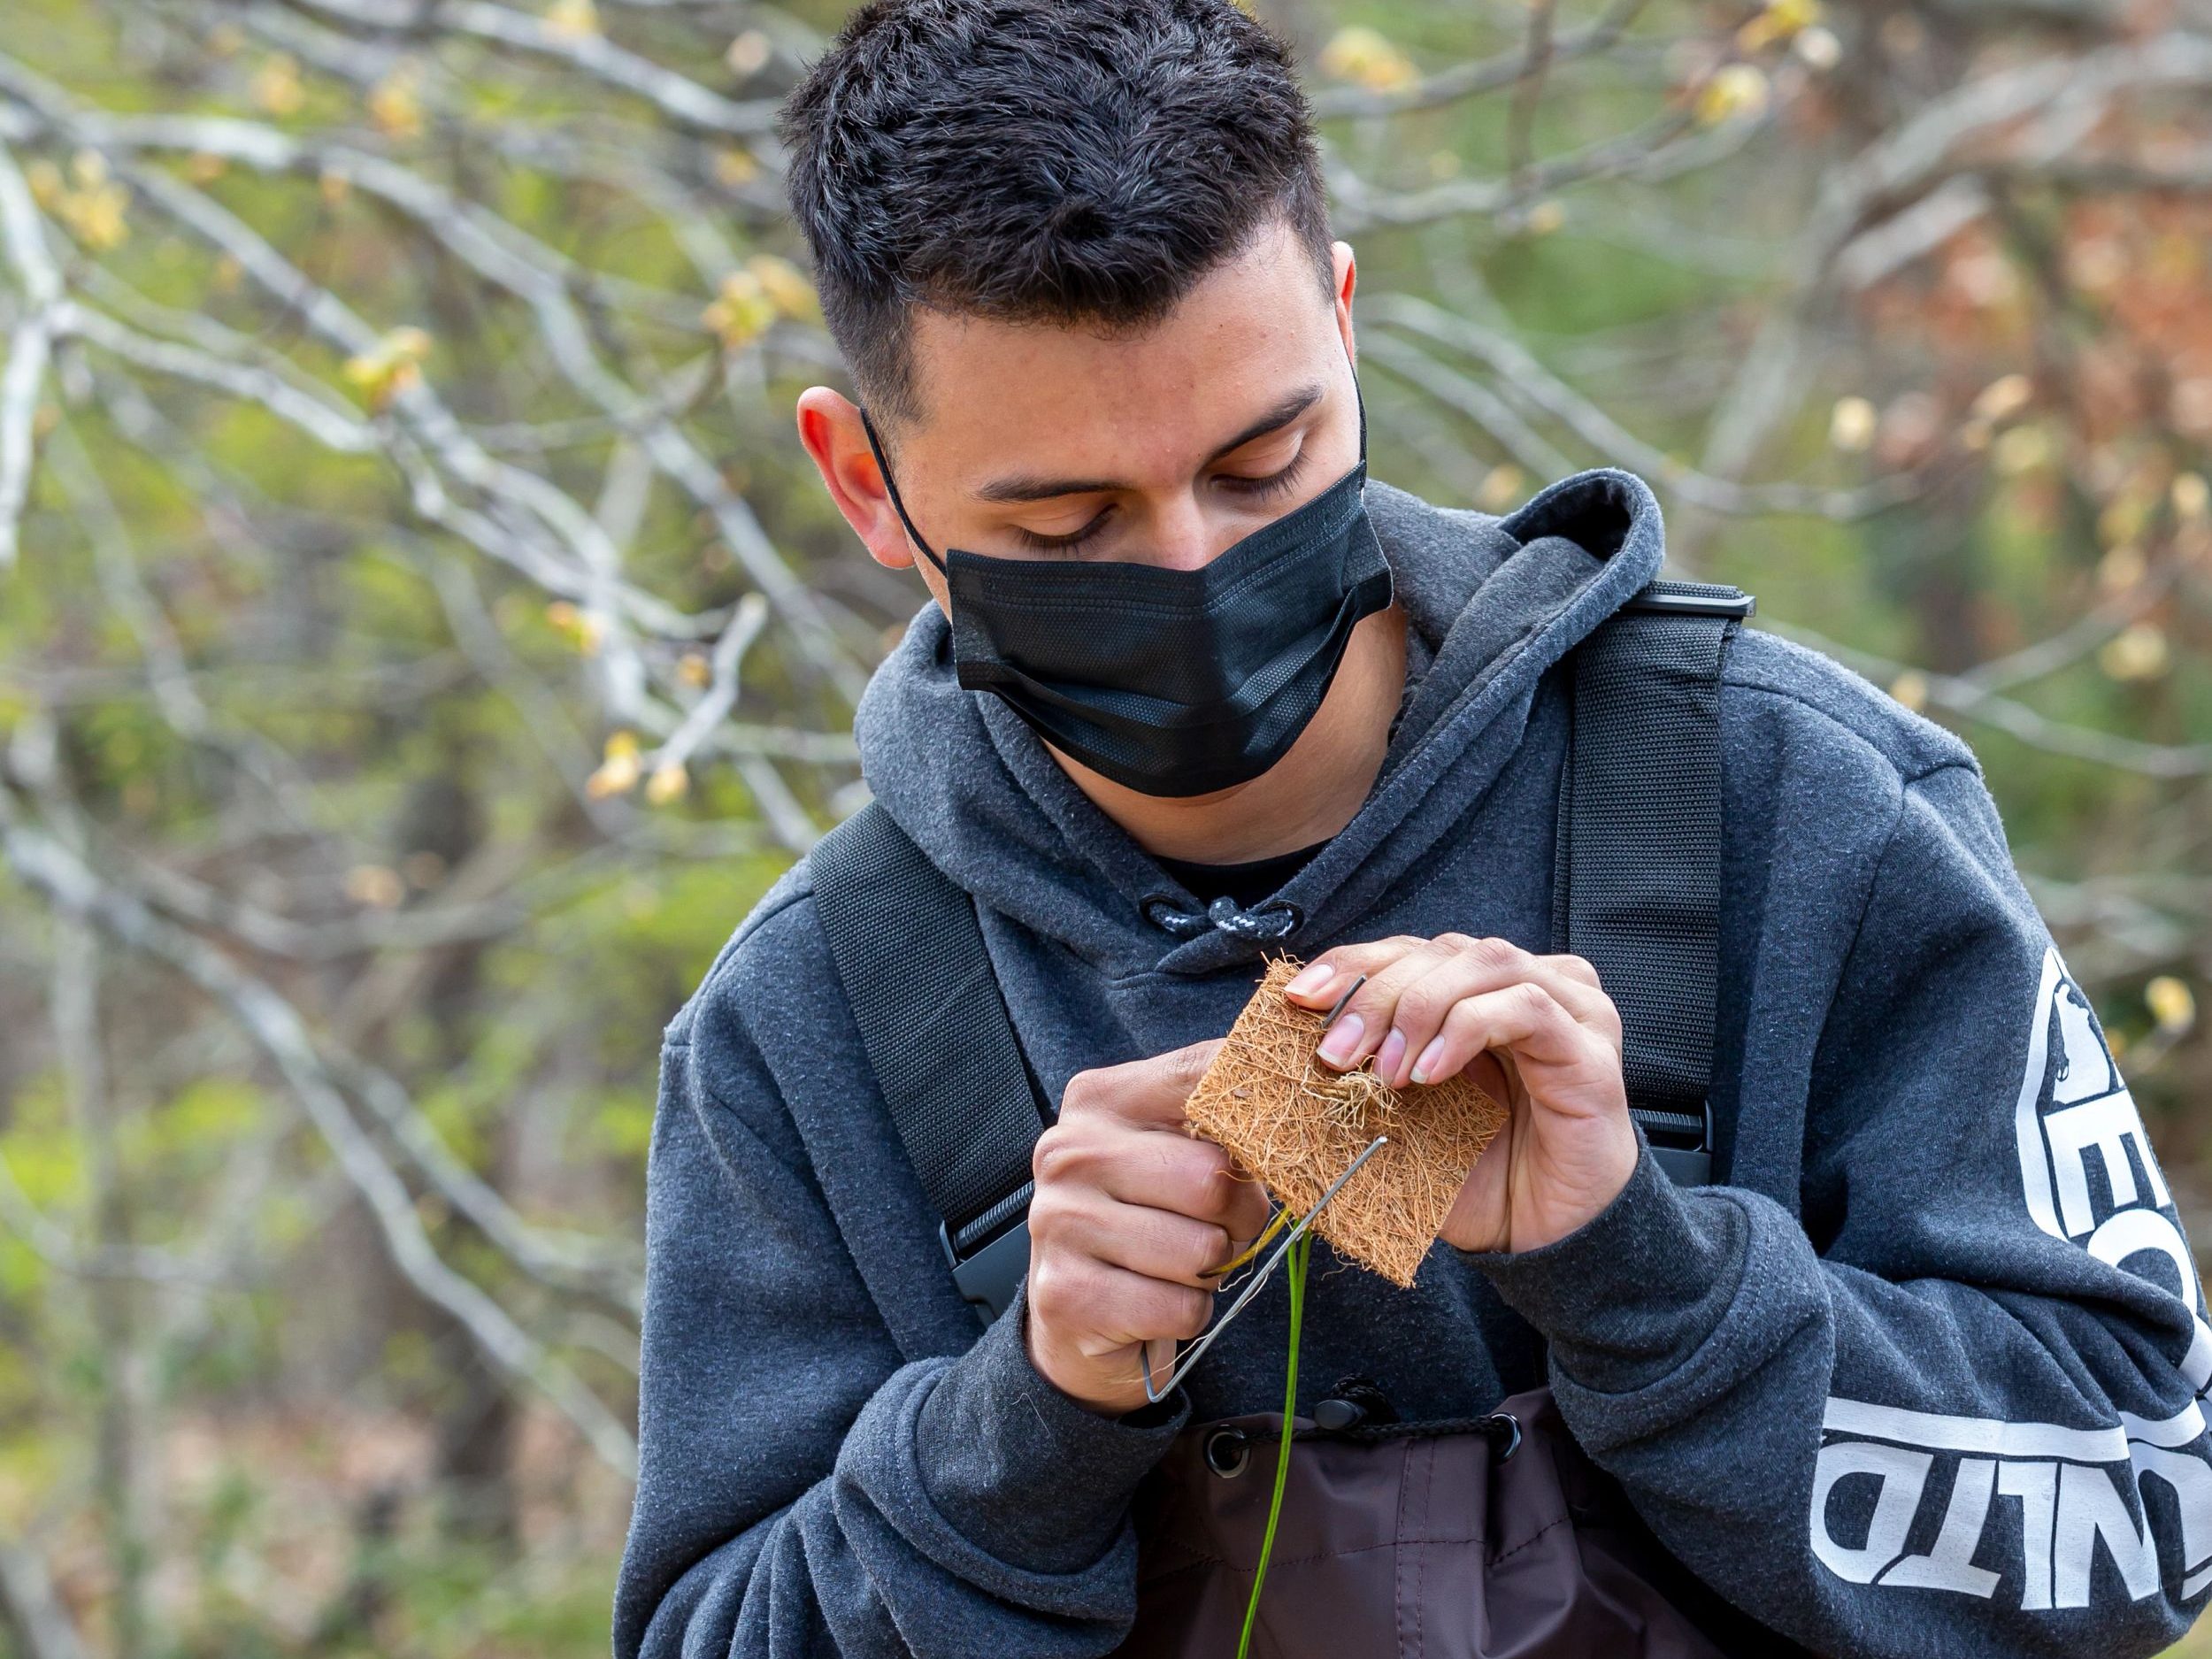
1182,538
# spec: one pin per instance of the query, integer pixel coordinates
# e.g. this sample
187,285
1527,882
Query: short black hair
1040,160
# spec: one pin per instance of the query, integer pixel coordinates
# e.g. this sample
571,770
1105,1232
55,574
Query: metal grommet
1228,1452
1511,1427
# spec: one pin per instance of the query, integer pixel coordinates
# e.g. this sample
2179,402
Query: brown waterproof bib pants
1490,1539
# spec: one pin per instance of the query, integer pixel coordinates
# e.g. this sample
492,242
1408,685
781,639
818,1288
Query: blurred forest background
422,639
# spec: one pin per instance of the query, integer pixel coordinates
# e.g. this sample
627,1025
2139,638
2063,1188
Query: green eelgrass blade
1295,1272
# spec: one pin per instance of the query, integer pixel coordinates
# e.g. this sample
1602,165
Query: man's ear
829,426
1347,278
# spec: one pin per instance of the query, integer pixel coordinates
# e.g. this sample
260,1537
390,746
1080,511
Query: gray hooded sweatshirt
1922,1377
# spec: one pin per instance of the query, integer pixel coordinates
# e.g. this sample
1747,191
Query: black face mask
1170,682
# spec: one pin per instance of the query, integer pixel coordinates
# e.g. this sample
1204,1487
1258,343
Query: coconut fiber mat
1297,1125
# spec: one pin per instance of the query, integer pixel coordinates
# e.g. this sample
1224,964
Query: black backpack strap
1637,874
910,954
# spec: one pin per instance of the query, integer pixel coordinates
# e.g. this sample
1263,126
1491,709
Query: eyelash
1258,489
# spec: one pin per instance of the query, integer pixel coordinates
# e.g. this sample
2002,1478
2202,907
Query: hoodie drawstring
1272,920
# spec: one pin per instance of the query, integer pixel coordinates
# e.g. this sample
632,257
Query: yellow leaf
742,311
786,287
733,166
1366,58
2173,1004
2022,449
2137,652
45,179
1818,48
1851,424
2123,520
1781,20
1500,488
693,670
396,101
669,782
573,20
375,885
1911,689
2191,495
750,53
203,167
1736,92
2004,397
2122,568
98,217
617,774
395,366
277,86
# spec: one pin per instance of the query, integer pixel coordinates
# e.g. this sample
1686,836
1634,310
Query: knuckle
1498,954
1188,1311
1462,1025
1191,1249
1057,1157
1187,1065
1085,1093
1053,1217
1048,1289
1580,968
1539,1003
1421,1006
1457,943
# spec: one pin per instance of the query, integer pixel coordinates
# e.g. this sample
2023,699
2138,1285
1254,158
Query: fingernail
1343,1040
1387,1057
1430,1058
1310,981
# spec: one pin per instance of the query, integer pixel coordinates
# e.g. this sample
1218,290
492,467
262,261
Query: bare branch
1486,74
681,99
1955,694
29,1609
29,347
277,1028
1520,377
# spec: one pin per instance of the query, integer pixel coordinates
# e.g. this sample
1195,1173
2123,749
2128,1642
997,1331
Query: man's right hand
1129,1210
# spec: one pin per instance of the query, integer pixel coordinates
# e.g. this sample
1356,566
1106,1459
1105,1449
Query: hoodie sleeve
1953,1409
801,1490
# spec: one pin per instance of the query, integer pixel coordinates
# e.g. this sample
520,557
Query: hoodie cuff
1636,1290
1019,1469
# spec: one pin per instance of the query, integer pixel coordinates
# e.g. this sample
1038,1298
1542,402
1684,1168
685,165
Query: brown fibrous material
1296,1125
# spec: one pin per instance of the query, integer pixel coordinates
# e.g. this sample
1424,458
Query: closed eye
1251,489
1038,542
1265,488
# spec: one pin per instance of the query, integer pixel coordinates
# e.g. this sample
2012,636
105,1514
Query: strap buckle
1693,599
1681,1142
989,1276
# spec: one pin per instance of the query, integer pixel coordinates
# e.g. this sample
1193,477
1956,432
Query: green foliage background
290,680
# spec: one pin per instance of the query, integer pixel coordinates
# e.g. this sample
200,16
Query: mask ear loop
1359,401
898,505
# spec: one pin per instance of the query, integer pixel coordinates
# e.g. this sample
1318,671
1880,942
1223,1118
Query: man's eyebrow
1032,487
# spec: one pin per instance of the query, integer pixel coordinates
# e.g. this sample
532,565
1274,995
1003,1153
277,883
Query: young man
1921,1378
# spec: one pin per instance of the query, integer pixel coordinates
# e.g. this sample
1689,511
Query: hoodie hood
1490,603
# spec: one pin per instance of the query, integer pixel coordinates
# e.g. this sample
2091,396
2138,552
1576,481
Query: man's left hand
1537,1033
